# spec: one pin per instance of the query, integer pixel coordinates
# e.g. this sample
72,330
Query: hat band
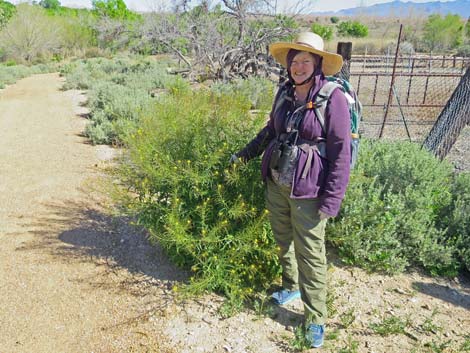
308,45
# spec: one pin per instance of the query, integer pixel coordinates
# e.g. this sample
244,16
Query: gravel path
73,278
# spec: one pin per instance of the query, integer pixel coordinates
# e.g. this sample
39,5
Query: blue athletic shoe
315,334
285,296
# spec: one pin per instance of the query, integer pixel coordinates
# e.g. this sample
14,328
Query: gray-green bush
11,73
119,92
392,213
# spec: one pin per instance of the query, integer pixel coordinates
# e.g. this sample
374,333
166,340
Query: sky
155,5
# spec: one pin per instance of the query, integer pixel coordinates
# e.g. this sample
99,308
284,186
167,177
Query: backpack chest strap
310,147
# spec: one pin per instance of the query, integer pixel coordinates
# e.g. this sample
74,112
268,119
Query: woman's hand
234,159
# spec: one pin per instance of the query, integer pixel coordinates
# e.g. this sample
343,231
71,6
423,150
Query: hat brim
332,63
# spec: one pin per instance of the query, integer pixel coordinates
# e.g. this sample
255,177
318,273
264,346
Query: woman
306,169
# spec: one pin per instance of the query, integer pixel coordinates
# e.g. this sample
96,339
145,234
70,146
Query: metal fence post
391,83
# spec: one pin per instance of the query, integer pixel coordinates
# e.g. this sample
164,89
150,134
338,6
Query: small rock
426,306
290,328
227,349
399,291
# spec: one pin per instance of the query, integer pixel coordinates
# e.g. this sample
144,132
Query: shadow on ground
444,293
76,232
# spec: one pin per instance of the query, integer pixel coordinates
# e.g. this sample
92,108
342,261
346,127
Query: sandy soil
71,279
74,278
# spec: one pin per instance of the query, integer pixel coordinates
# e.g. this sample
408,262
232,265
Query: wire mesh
422,87
453,118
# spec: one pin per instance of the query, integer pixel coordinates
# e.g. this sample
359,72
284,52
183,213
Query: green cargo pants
300,235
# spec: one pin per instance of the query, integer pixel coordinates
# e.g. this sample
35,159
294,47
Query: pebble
400,291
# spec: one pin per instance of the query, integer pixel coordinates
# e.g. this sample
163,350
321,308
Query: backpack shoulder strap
281,96
321,101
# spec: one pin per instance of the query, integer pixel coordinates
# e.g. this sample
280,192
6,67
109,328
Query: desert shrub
455,219
256,90
110,102
208,215
77,36
463,50
29,34
325,32
353,29
210,218
10,73
442,33
127,71
388,219
119,90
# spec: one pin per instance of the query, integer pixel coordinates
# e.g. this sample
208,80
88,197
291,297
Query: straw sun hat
309,42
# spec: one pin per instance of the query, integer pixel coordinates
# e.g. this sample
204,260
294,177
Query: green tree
353,29
443,33
325,32
7,10
334,19
29,34
115,9
467,29
50,4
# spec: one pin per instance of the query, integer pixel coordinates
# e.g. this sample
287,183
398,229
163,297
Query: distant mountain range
403,9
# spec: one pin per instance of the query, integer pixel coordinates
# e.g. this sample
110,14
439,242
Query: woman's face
302,66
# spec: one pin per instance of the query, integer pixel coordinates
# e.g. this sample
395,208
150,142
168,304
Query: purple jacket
327,178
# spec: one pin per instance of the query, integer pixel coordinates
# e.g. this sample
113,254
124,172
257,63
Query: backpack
355,110
321,101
